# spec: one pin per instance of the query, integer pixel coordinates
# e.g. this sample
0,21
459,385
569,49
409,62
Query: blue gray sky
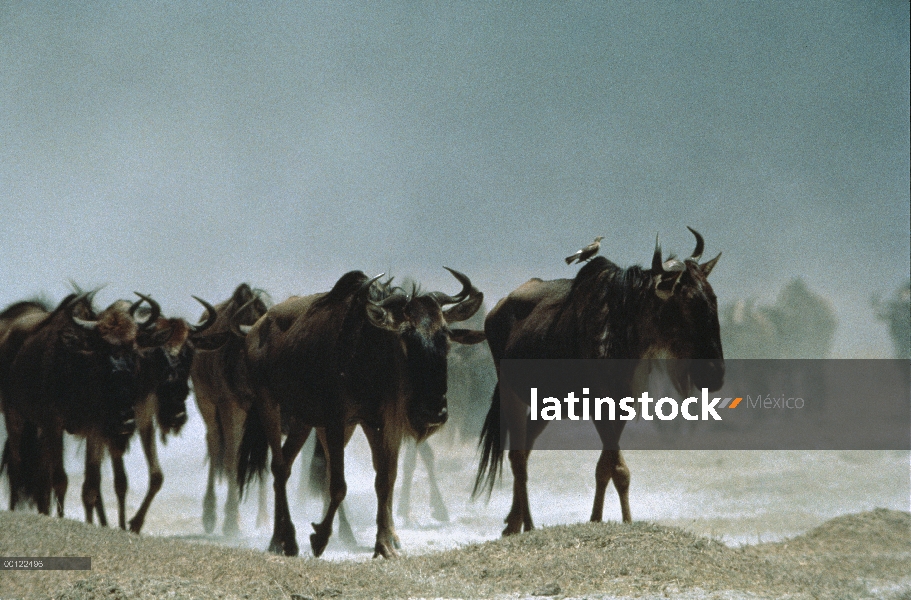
181,148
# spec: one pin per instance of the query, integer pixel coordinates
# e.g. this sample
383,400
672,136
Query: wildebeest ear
213,341
467,336
381,317
707,267
666,283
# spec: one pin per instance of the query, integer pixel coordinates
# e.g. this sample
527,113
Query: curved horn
468,301
236,328
153,317
467,287
71,305
657,265
211,315
700,245
365,287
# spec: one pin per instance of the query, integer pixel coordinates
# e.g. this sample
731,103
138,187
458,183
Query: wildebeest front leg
233,418
409,464
335,455
91,486
120,486
59,480
611,466
437,504
156,477
385,454
213,447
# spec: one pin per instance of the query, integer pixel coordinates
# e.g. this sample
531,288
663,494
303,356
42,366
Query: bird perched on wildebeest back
587,252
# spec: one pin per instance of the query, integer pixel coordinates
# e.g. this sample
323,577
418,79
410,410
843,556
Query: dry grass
853,556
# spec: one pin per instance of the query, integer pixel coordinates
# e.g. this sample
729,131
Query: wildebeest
800,324
65,370
224,397
470,377
358,354
166,353
896,312
668,311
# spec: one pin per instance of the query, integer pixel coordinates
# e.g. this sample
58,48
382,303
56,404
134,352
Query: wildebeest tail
318,472
491,444
28,485
253,452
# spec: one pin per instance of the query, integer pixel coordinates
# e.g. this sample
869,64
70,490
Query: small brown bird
586,253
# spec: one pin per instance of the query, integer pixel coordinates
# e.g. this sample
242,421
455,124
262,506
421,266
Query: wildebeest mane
600,310
348,284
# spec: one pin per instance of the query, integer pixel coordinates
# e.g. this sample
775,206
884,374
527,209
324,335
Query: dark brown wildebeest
358,354
470,378
167,351
66,370
224,397
668,311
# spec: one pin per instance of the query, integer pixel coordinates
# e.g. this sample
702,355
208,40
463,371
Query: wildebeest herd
366,353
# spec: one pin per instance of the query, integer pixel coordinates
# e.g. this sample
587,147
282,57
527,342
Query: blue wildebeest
470,377
166,353
70,370
668,311
224,397
358,354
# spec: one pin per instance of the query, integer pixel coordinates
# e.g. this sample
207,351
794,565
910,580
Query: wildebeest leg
156,477
611,466
262,512
345,533
91,487
12,457
120,485
59,480
436,498
522,433
233,418
335,455
283,533
213,447
409,464
385,462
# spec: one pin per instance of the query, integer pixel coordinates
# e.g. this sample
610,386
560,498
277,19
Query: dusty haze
180,150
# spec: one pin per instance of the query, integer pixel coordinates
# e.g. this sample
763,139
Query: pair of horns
660,266
91,325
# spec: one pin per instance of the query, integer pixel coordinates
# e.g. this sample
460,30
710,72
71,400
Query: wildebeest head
105,344
687,326
421,322
168,350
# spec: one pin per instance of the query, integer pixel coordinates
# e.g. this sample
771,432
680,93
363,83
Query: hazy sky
180,149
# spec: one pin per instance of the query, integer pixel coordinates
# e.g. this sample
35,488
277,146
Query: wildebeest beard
119,389
426,366
174,388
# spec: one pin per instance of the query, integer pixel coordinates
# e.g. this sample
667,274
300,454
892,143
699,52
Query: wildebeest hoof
384,549
278,547
440,514
320,539
208,522
230,529
135,525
